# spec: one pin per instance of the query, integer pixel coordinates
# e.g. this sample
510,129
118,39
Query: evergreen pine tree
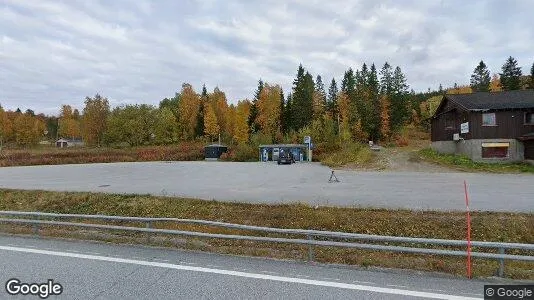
332,99
399,105
200,129
374,99
283,123
319,88
302,106
511,75
480,79
288,113
386,80
531,84
252,124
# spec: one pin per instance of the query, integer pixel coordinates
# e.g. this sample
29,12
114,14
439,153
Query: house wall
473,149
446,124
510,125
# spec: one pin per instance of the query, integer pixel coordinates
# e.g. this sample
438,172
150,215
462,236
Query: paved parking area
273,184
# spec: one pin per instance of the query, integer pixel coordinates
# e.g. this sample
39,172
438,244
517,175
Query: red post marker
468,232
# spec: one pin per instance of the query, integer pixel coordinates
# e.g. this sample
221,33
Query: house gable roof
519,99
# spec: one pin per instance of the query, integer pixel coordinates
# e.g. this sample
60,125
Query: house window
529,118
489,119
449,122
495,150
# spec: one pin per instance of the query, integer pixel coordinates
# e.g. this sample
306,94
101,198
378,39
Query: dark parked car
285,157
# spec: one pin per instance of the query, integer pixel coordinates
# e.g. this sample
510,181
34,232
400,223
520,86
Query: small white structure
64,143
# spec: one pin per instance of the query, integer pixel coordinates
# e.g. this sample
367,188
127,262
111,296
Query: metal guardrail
311,235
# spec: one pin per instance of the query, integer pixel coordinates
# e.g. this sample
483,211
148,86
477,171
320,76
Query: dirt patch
400,159
407,160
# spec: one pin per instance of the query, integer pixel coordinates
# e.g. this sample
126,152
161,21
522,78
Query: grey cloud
58,52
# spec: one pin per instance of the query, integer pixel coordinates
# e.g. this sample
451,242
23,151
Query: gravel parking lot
273,184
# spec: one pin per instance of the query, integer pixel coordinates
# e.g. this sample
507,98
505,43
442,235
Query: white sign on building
464,127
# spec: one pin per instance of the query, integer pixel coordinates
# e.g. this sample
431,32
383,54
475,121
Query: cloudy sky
55,52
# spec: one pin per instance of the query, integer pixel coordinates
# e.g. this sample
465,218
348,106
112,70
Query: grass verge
464,163
486,226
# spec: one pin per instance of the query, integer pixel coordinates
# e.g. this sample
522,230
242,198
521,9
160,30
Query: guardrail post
35,228
148,225
501,263
310,248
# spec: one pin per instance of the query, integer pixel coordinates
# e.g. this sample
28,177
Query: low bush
353,154
52,156
241,152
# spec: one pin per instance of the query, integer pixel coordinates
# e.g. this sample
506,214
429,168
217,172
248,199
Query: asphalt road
271,183
88,270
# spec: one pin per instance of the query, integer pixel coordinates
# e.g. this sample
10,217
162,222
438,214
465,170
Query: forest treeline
368,104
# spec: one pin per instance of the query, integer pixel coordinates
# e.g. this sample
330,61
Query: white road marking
241,274
394,285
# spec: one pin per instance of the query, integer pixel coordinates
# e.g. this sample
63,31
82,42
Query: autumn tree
480,79
511,75
344,116
27,129
460,89
220,106
211,126
495,83
95,115
385,129
269,110
319,99
241,121
166,129
6,129
188,112
171,103
69,126
132,124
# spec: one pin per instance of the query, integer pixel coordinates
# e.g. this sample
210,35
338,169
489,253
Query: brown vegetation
486,226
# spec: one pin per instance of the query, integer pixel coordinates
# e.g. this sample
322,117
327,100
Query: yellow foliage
6,128
95,115
188,111
211,128
464,89
68,125
495,84
241,121
28,130
358,133
220,108
269,110
344,107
